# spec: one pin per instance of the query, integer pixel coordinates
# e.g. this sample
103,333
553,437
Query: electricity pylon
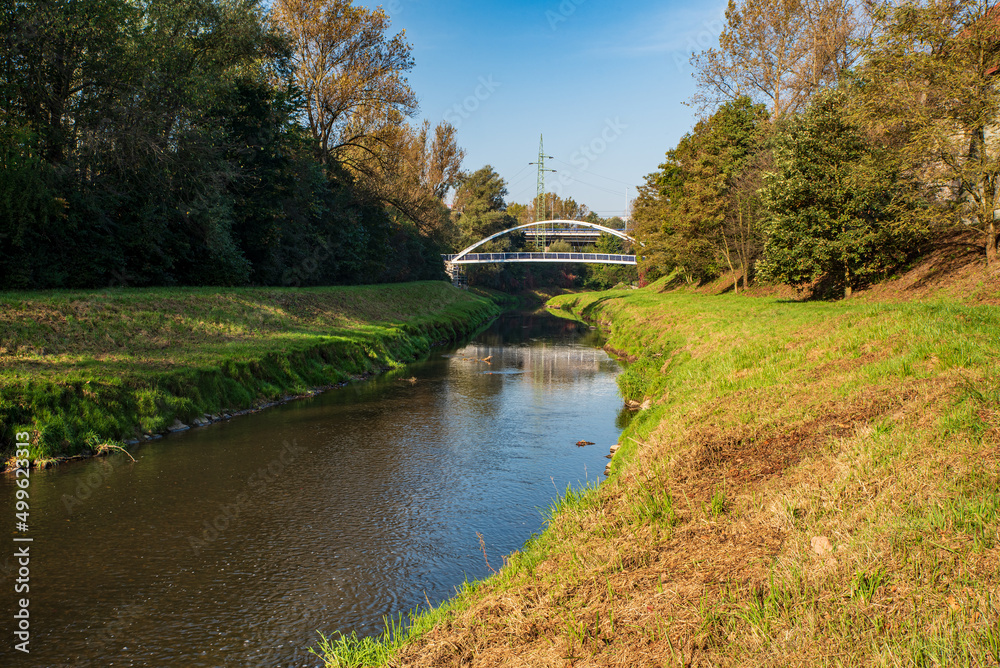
540,197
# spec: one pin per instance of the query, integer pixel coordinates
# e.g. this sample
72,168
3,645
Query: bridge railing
599,258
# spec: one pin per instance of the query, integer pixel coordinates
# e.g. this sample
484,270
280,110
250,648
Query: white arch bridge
453,262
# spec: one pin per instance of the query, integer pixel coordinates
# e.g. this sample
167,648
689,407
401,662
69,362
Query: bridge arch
608,230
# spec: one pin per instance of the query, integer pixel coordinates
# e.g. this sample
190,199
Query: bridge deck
590,258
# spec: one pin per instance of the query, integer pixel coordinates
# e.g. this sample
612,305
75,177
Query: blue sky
604,82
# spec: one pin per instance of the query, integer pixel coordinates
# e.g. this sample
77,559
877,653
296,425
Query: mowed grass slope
77,368
815,484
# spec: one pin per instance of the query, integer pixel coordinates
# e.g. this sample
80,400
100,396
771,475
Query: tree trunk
729,261
847,283
991,245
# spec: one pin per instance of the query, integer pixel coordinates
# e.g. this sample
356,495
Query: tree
160,143
719,212
481,210
119,99
416,175
693,215
838,205
604,276
742,229
483,190
929,83
652,216
439,158
522,213
351,74
779,52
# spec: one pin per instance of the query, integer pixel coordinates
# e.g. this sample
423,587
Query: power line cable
594,173
518,172
595,186
513,183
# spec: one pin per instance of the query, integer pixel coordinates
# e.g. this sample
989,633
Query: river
232,545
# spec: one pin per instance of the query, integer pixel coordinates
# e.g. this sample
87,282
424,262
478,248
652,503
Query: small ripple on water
377,514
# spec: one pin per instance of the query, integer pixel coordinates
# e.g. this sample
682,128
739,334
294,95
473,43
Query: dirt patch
953,268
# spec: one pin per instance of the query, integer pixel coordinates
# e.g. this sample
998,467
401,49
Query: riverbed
234,544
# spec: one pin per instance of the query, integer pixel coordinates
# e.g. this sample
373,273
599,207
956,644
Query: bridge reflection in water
538,364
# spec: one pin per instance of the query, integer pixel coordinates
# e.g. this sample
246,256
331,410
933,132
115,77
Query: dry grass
815,485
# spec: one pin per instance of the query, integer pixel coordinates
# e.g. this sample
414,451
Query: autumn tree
779,52
929,83
437,158
522,213
352,74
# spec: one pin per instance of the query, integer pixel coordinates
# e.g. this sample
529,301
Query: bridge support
457,275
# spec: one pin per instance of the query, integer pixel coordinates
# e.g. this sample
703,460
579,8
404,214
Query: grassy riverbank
814,484
79,368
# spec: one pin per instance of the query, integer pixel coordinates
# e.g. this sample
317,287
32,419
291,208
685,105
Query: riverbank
813,484
80,369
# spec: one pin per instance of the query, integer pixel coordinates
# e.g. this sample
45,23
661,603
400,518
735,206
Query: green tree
718,216
691,215
652,217
480,209
146,143
604,276
838,204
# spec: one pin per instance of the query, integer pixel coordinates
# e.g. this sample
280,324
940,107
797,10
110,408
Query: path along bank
813,484
80,369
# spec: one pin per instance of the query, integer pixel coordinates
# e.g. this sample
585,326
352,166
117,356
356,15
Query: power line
594,173
513,183
518,172
597,187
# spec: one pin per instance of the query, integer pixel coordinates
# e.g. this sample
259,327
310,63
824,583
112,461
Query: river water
232,545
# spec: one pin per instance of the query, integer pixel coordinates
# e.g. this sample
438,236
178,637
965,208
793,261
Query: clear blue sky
605,83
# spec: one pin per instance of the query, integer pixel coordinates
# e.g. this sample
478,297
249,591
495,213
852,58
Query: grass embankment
815,484
79,368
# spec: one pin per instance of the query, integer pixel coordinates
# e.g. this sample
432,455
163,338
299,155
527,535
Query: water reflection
232,545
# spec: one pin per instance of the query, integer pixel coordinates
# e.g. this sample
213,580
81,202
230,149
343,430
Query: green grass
911,489
112,365
886,417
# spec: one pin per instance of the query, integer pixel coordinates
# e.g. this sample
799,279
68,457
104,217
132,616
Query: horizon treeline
214,142
837,140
